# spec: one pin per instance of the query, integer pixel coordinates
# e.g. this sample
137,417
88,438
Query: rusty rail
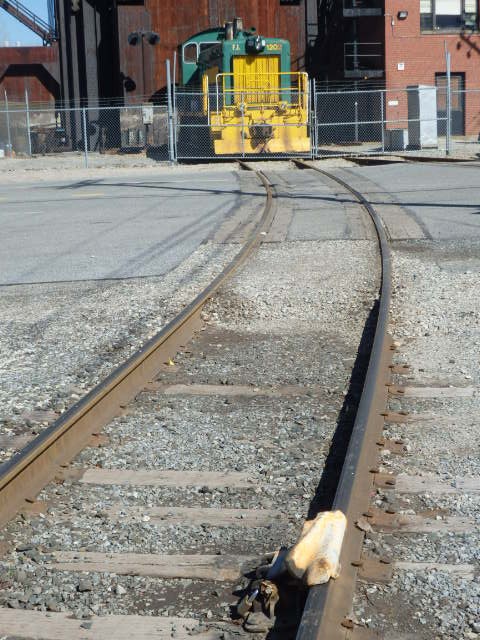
327,613
26,473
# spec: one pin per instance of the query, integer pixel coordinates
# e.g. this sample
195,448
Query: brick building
394,45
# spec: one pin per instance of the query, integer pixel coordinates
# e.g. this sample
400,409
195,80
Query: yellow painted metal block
230,147
263,110
285,131
286,140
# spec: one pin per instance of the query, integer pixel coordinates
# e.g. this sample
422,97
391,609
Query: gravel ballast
435,318
294,318
45,369
59,339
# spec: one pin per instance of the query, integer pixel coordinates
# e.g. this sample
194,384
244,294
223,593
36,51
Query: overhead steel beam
30,20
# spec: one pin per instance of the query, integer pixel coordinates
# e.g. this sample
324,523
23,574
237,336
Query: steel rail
27,472
327,612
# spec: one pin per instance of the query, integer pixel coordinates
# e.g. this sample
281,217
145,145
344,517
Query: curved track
326,613
327,610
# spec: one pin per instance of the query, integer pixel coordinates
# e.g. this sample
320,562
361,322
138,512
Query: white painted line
87,195
167,182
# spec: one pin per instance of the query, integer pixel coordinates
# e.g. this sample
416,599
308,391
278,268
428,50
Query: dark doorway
457,83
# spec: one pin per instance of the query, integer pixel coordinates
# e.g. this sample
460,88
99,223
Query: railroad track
29,470
327,611
151,377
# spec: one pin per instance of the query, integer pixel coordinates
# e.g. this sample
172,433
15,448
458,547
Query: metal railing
289,87
29,19
363,7
361,57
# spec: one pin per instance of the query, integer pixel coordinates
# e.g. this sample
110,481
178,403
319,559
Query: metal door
457,84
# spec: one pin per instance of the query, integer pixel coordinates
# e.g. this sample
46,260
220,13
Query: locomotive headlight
255,44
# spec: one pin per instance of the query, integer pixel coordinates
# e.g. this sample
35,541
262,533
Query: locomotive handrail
301,88
206,97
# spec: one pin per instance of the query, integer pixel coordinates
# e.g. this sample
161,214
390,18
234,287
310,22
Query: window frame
434,27
207,44
189,44
199,46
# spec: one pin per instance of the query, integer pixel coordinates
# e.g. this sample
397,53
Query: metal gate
347,122
295,118
457,103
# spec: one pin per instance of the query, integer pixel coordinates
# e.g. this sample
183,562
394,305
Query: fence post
383,118
311,93
171,148
28,124
315,123
243,124
85,142
174,105
356,120
449,102
9,136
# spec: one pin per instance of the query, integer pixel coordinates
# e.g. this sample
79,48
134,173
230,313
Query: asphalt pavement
444,199
136,226
118,227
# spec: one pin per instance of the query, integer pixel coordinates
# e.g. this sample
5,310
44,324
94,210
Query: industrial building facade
34,70
347,45
96,61
100,60
394,45
385,41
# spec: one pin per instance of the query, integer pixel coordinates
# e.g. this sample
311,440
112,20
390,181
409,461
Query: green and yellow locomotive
251,100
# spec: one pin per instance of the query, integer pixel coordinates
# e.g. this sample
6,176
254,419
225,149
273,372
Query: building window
448,15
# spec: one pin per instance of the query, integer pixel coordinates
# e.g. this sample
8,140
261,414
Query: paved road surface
443,199
133,227
109,228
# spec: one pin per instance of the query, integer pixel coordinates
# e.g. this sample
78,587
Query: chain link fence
85,134
379,121
192,132
305,121
464,122
14,128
